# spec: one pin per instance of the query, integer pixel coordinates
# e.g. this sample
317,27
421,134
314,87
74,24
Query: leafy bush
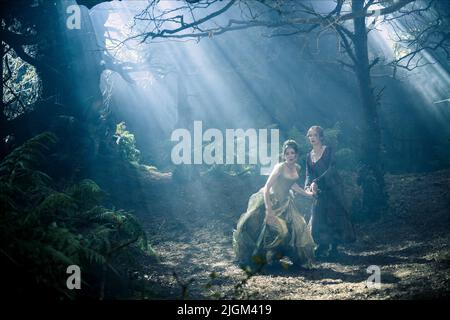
43,230
127,143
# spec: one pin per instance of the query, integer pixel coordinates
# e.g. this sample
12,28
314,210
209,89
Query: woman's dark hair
290,144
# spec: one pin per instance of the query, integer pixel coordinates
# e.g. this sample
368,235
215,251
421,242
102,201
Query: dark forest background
85,119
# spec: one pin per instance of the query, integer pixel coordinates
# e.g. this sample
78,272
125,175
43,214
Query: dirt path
410,245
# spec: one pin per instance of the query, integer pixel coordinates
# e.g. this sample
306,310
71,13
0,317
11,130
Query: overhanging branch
333,18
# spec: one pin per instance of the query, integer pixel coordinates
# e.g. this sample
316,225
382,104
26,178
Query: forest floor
410,243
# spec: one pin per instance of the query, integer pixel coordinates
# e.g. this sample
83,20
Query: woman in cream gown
272,227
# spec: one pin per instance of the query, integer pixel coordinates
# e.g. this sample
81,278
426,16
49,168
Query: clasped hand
314,189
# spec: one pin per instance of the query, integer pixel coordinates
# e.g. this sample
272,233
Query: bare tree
350,19
424,22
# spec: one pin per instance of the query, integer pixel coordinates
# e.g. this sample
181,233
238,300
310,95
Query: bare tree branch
333,18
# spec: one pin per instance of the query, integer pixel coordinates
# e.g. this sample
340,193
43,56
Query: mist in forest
99,97
251,79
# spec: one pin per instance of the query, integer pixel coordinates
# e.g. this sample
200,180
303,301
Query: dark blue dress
330,221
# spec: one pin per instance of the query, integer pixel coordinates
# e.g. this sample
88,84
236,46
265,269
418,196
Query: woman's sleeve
325,177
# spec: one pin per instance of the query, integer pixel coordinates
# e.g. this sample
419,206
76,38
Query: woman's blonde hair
318,130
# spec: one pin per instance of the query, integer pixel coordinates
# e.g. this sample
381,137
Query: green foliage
302,142
231,169
332,135
86,193
19,168
346,159
43,230
127,143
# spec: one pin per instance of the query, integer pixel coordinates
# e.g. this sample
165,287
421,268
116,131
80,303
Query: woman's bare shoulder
278,166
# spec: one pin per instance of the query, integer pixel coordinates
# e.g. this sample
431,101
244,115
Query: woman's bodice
316,169
283,184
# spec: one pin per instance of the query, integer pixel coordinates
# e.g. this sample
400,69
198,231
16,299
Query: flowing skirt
330,221
255,242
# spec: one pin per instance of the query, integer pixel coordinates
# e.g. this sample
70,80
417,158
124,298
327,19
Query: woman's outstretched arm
303,192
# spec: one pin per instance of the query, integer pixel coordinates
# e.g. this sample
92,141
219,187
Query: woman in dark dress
330,221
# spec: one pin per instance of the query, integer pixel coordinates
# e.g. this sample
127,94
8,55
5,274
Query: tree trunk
371,175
